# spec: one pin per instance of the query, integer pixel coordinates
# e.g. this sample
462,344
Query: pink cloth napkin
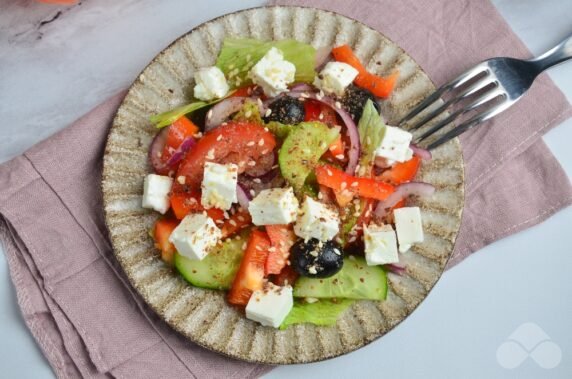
78,304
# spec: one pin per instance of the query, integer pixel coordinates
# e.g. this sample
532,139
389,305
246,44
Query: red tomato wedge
316,111
378,85
235,142
281,238
235,223
185,203
163,229
401,172
344,184
286,277
337,147
243,91
250,274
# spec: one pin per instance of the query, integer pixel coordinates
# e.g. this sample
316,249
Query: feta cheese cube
271,305
394,145
316,220
219,185
273,73
274,206
409,227
156,190
195,236
335,78
210,84
380,245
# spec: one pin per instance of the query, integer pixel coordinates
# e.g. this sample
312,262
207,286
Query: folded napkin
76,300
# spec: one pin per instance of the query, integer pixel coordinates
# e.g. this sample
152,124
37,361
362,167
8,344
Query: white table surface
54,73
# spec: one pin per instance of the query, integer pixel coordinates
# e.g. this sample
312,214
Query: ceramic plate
202,315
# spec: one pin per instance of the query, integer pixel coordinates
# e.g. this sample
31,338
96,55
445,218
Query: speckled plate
202,315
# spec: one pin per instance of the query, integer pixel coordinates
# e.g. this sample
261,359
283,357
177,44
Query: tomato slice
286,277
316,111
235,142
163,229
185,203
281,238
235,223
250,274
401,172
346,185
244,91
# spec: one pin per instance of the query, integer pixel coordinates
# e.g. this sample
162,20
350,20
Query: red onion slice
181,151
243,197
156,152
395,268
222,111
420,152
322,56
301,87
402,191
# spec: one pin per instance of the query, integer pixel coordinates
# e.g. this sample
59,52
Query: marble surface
56,63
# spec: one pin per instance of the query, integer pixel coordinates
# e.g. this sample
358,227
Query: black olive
316,259
286,110
354,101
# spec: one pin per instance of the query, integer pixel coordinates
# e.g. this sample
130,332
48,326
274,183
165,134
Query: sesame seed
247,114
181,179
340,156
232,222
209,114
354,184
321,116
266,129
244,246
344,185
251,143
240,218
159,154
304,94
259,101
225,214
301,98
272,249
321,93
257,180
219,137
251,163
265,151
261,142
320,196
338,105
329,172
252,193
210,154
312,270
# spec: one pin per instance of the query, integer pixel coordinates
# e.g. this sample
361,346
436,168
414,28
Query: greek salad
282,185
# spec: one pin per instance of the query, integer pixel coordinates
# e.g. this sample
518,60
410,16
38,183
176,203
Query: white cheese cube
273,73
210,84
335,78
409,227
274,206
380,245
195,236
271,305
156,190
219,185
316,220
395,145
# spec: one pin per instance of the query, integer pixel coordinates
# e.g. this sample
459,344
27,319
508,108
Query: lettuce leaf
323,312
167,118
238,55
249,113
371,130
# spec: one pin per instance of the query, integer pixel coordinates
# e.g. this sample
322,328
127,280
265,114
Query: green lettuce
238,55
248,113
323,312
371,131
167,118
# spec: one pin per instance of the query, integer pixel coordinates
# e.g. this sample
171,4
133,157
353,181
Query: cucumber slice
218,269
302,149
356,280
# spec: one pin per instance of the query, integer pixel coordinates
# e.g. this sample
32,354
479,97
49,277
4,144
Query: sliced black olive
287,110
354,101
316,259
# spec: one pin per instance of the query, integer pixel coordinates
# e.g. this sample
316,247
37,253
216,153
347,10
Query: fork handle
558,54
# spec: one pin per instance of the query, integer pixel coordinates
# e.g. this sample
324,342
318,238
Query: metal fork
485,90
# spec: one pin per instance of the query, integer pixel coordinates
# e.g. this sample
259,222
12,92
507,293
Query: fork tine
474,88
455,83
479,118
453,116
